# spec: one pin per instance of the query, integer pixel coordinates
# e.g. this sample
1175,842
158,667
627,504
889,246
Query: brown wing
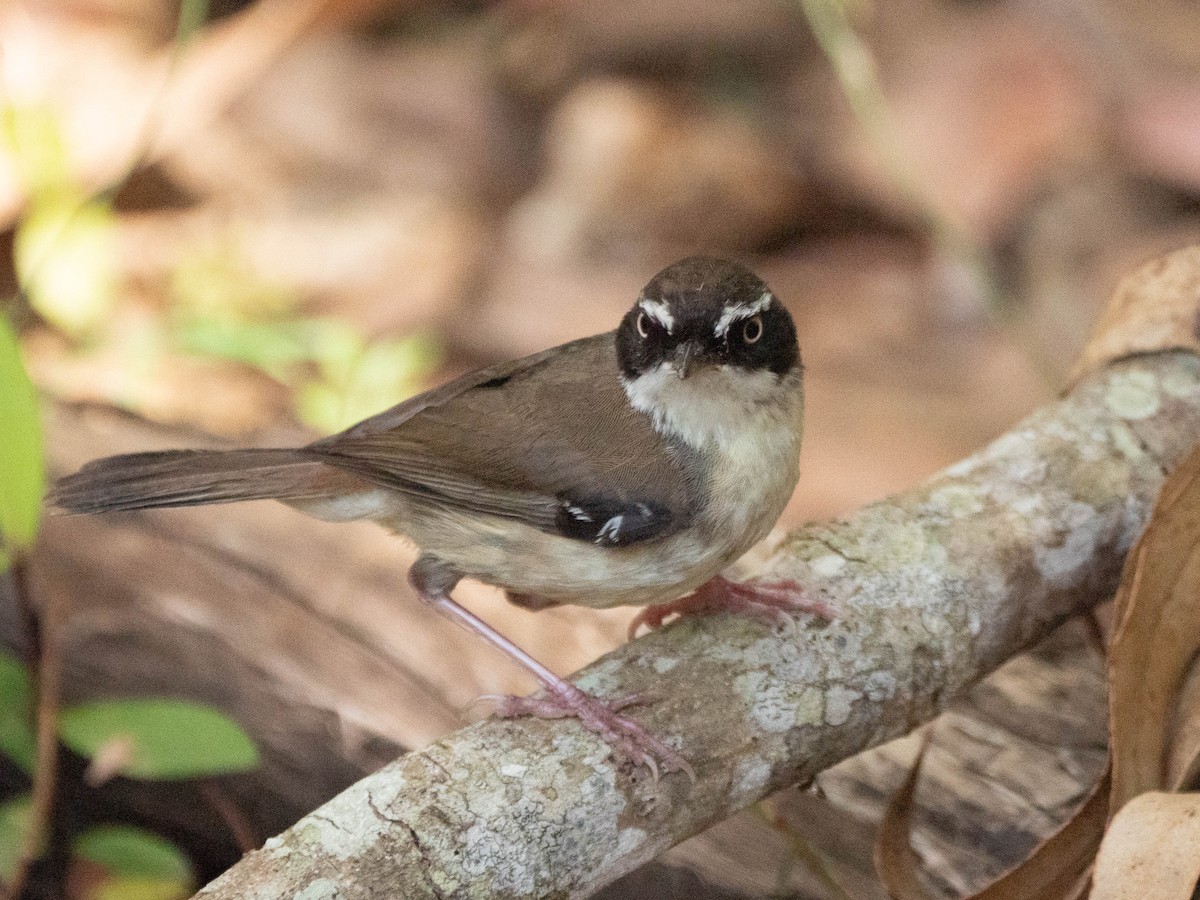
549,440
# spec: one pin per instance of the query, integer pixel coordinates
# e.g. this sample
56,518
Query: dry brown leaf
1153,309
1183,760
1056,870
1156,637
1150,850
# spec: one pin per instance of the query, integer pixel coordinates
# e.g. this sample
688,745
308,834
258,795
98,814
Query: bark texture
934,587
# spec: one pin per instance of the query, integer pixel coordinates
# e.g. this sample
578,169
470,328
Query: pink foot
600,717
771,602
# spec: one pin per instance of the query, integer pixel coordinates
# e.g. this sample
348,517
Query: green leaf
360,379
274,348
16,818
169,739
21,475
140,889
387,372
127,852
321,406
65,253
17,739
337,349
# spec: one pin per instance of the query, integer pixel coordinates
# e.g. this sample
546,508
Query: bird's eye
752,330
643,325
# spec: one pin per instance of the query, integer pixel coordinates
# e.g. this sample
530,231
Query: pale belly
548,567
747,495
555,569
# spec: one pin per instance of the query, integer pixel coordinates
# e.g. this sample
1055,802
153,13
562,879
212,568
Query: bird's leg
433,582
767,601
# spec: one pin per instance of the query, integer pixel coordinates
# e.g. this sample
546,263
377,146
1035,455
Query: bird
627,468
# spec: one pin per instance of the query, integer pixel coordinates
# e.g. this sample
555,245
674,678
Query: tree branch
935,587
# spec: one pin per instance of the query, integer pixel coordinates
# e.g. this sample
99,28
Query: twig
31,652
191,13
47,686
239,826
854,66
800,848
216,69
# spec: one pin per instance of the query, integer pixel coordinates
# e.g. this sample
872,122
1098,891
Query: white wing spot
610,530
659,312
644,510
578,514
733,314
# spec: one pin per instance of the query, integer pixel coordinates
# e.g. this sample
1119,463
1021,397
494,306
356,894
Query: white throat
726,406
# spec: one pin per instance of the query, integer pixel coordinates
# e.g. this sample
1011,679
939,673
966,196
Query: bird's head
706,332
706,313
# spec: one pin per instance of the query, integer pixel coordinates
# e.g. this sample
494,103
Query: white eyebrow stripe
659,312
745,311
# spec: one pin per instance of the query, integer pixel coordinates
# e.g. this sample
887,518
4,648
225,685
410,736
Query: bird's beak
689,359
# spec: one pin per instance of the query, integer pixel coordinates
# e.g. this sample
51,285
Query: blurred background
305,209
265,220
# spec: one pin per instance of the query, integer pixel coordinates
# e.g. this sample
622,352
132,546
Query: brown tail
189,478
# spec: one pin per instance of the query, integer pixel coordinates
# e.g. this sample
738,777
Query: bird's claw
601,717
770,602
